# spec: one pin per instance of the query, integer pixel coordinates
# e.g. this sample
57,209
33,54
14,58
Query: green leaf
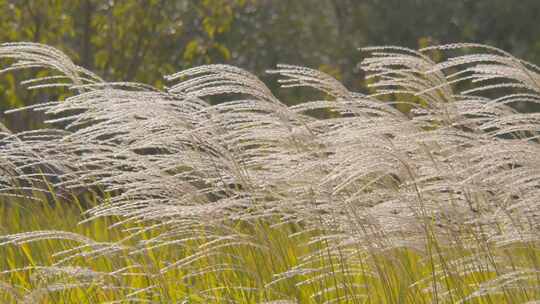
223,50
191,51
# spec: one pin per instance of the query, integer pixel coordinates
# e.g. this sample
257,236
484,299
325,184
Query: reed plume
459,168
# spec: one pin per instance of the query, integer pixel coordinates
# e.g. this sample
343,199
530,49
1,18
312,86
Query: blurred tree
120,40
142,40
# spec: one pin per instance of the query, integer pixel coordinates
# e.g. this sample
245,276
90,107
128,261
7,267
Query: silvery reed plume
359,177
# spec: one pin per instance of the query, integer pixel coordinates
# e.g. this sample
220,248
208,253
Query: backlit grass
396,276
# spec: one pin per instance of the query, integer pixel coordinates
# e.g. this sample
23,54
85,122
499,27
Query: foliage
142,40
128,40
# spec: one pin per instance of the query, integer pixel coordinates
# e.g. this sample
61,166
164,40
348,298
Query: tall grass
426,190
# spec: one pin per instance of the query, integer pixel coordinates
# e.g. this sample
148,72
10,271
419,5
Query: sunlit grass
252,200
251,273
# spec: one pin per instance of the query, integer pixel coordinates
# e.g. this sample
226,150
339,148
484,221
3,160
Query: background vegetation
143,40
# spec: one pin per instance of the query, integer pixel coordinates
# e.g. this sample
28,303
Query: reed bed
424,190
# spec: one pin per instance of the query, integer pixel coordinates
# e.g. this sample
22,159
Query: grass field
262,270
425,190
